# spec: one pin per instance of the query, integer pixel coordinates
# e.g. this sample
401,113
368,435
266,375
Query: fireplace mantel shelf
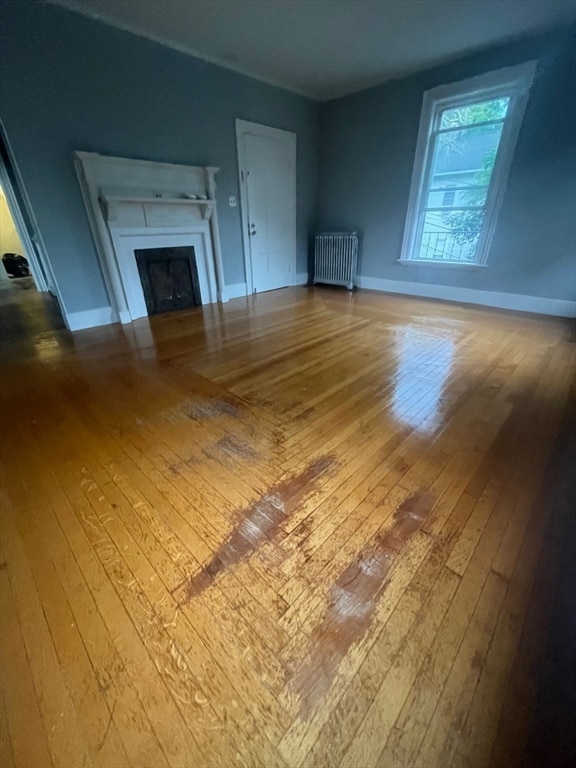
111,201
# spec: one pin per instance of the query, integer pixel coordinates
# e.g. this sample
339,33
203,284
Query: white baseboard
236,291
517,301
89,318
124,316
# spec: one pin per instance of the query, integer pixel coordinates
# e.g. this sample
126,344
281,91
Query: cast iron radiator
336,258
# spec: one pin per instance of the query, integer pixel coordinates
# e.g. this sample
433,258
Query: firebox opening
169,278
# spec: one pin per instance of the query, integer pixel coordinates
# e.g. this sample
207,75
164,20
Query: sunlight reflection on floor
424,362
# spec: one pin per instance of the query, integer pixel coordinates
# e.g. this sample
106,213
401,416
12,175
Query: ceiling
328,48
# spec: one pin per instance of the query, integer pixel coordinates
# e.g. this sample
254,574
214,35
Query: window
466,141
448,197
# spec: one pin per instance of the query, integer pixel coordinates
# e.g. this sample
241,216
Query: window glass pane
463,159
442,183
450,236
457,196
475,113
448,198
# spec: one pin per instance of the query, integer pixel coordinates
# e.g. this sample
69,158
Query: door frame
30,252
244,127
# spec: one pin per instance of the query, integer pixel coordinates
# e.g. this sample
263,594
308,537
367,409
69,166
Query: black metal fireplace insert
169,278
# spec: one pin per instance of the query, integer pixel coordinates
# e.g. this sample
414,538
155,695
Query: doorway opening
29,300
13,262
29,318
21,235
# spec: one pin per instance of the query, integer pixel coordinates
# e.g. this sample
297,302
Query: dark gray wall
69,82
366,158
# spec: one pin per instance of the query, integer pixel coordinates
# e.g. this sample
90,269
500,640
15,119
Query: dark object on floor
15,265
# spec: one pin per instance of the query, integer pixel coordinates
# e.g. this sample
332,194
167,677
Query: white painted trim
90,318
22,230
102,242
241,157
240,291
127,241
242,128
460,266
302,278
209,174
514,81
516,301
235,291
38,249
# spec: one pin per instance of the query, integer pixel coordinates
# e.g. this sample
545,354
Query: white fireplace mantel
137,203
110,204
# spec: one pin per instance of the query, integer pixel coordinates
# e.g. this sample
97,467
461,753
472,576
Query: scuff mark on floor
110,718
234,448
210,409
353,600
179,467
258,523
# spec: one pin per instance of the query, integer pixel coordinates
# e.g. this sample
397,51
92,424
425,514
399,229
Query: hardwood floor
309,529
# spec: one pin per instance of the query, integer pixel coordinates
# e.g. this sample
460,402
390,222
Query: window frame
514,82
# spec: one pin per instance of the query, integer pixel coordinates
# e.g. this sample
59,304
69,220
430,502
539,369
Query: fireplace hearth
169,278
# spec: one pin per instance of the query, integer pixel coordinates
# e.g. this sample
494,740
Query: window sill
441,264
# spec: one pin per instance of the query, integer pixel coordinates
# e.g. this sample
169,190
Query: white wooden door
267,161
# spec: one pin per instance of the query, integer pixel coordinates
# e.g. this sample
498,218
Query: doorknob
252,229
